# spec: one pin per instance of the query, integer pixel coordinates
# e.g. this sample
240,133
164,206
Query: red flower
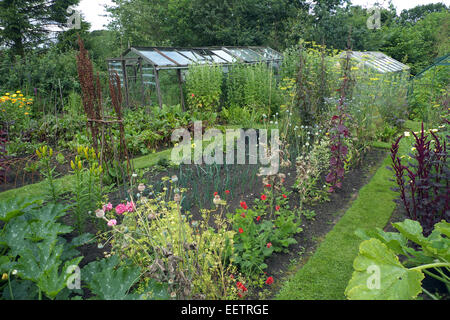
277,208
269,245
269,280
243,215
263,197
241,286
241,230
259,218
193,95
216,194
268,186
244,205
284,196
227,191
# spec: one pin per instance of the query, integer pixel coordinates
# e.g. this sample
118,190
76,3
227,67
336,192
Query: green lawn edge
327,273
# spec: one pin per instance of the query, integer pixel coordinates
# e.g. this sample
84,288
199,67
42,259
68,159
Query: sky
94,12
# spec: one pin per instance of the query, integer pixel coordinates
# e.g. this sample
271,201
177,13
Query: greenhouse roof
179,58
379,61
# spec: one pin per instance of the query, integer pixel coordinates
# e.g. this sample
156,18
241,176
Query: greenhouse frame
141,66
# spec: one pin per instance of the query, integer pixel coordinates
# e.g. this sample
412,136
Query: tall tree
27,23
204,23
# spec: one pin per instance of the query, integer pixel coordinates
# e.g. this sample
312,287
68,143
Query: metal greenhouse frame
144,64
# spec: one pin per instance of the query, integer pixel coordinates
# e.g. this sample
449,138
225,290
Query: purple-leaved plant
424,183
339,133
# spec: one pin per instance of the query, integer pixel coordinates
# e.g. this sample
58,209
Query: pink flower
112,223
277,208
263,197
108,207
121,208
269,245
130,207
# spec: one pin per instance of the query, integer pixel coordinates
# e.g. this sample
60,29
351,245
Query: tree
204,23
28,23
413,15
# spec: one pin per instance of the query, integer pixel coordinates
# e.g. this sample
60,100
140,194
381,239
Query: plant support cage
139,68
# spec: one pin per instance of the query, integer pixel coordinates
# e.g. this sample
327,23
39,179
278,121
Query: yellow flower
14,95
6,94
26,113
5,276
18,92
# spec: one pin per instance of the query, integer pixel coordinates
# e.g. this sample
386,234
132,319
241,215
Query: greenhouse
139,67
378,61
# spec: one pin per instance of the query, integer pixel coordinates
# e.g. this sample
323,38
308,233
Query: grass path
327,272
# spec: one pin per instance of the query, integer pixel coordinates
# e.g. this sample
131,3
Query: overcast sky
94,12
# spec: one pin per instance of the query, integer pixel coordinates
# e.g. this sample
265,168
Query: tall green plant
204,87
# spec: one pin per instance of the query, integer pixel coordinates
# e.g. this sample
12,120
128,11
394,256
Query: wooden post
158,87
125,82
180,83
141,70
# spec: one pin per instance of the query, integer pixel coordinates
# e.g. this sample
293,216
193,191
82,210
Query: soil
17,175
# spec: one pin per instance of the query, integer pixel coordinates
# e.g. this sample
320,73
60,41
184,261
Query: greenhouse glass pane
241,53
193,56
224,55
157,58
177,57
268,53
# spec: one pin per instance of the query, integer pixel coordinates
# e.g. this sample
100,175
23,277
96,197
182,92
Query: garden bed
314,229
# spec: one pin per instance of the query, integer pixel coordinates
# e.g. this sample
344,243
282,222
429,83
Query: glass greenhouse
139,68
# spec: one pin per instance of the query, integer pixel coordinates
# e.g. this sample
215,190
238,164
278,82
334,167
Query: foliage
87,190
191,257
28,23
204,87
429,92
399,279
309,169
424,182
15,112
254,87
34,254
246,22
268,227
45,155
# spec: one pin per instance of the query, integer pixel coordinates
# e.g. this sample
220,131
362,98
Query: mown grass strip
326,274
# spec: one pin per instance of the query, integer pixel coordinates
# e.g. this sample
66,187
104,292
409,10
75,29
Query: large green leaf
412,230
393,240
41,263
109,281
13,208
395,281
